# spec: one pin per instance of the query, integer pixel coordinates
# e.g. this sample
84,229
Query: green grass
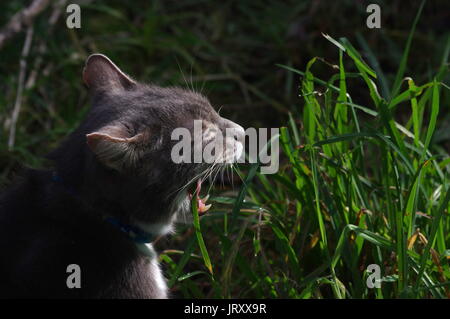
363,175
356,187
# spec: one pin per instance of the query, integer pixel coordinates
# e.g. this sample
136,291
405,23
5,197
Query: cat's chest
142,278
159,284
154,271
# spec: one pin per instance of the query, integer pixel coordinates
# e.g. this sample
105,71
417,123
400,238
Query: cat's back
42,235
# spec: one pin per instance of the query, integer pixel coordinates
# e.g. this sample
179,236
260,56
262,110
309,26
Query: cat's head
128,142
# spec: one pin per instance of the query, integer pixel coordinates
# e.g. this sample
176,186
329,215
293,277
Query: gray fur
116,163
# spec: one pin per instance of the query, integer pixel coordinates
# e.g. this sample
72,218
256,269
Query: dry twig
21,19
22,73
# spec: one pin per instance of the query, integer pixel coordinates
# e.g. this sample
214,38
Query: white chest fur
159,278
159,288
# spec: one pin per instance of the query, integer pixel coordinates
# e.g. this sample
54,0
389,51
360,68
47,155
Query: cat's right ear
101,73
115,147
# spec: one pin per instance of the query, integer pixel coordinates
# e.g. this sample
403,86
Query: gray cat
114,188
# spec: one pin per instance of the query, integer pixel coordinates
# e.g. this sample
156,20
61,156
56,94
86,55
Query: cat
112,191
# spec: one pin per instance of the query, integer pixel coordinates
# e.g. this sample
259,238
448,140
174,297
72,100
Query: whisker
222,172
192,83
190,181
182,74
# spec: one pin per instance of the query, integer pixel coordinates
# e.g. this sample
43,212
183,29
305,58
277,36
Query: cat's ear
116,147
101,73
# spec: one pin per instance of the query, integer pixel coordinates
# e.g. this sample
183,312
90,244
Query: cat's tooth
204,199
202,208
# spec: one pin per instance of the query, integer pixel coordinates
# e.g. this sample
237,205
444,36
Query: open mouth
201,202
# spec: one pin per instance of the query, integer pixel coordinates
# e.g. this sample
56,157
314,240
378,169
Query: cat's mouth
201,202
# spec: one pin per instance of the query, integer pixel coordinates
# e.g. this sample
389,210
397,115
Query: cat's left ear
101,73
115,147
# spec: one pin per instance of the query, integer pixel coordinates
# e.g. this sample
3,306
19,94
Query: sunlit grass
357,187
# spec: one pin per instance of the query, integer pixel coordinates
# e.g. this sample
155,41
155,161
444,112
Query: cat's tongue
201,202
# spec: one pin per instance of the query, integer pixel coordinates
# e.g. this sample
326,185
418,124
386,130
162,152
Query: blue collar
134,233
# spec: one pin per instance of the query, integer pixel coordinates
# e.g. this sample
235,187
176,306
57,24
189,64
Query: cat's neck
69,205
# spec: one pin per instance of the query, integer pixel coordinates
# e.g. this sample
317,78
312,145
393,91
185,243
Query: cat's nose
235,129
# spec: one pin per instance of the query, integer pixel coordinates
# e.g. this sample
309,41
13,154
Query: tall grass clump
357,187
